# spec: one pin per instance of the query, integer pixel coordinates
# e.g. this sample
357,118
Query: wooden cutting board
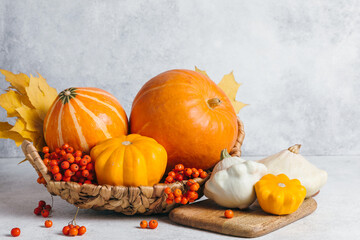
245,223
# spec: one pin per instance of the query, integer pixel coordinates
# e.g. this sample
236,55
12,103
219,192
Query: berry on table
82,230
42,203
15,232
37,211
48,207
143,224
45,213
73,231
153,224
48,223
229,213
66,230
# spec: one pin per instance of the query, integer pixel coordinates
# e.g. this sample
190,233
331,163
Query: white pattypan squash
292,164
226,161
232,182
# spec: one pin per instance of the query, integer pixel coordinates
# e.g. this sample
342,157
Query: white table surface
337,215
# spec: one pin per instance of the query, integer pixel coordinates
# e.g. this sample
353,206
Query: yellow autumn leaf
10,101
6,133
40,94
20,127
18,81
31,117
28,99
200,71
230,87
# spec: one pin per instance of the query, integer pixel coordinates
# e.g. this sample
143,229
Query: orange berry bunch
152,224
66,164
180,173
42,209
73,230
41,179
177,196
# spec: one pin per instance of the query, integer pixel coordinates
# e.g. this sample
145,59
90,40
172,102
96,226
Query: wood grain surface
252,222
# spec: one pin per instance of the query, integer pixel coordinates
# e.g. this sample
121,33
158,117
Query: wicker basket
127,200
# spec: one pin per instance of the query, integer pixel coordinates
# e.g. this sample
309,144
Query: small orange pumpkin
82,117
188,114
131,160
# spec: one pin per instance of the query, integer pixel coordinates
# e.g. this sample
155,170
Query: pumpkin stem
125,143
224,154
213,102
67,94
295,149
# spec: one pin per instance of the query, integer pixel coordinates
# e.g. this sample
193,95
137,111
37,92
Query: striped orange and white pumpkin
82,117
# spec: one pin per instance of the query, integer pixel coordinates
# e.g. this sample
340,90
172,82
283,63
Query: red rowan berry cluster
180,173
66,164
179,197
42,209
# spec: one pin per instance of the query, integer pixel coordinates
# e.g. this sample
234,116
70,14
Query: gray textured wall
298,60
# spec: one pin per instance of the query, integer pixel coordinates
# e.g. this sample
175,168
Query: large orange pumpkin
82,117
188,114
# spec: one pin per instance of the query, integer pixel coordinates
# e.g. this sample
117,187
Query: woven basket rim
154,192
29,150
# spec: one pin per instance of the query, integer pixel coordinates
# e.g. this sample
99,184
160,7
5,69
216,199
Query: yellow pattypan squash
279,195
132,160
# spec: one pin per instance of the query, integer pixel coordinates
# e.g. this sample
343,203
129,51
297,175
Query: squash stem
295,149
213,102
224,154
